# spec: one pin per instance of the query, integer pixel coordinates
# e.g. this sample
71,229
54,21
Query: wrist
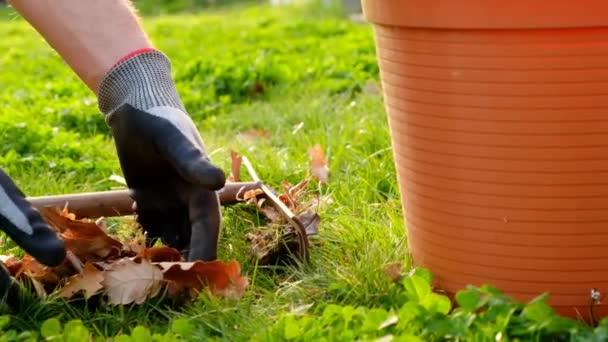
141,79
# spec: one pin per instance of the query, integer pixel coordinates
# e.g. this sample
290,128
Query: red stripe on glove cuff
135,53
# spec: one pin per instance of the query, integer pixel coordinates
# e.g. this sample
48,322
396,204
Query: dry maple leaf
319,164
235,168
223,279
89,281
128,282
84,238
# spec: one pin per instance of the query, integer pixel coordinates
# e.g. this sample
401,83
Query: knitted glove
162,155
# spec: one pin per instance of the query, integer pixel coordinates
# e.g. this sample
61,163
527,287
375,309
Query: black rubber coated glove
24,225
162,156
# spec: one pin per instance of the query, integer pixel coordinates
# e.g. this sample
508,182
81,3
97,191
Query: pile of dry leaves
129,272
126,272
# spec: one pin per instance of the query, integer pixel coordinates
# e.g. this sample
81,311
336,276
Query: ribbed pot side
500,137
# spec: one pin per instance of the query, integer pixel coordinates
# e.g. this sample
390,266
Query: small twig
76,263
283,209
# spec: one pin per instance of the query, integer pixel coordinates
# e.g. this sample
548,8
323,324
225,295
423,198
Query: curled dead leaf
223,279
128,282
252,194
292,195
87,240
161,254
319,167
89,281
297,191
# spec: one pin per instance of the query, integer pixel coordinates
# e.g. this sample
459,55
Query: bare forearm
90,35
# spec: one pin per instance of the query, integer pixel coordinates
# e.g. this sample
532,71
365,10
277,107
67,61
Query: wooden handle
120,203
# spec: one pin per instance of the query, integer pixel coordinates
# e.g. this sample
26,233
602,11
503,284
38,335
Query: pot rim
487,14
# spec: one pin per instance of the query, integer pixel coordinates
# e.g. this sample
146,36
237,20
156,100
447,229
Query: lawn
302,77
319,74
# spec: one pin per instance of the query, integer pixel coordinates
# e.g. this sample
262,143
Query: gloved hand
24,225
162,156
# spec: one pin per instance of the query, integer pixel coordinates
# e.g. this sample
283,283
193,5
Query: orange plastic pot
498,113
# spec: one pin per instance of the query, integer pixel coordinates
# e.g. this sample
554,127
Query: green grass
313,70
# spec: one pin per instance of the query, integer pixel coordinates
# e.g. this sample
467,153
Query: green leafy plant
481,314
75,331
